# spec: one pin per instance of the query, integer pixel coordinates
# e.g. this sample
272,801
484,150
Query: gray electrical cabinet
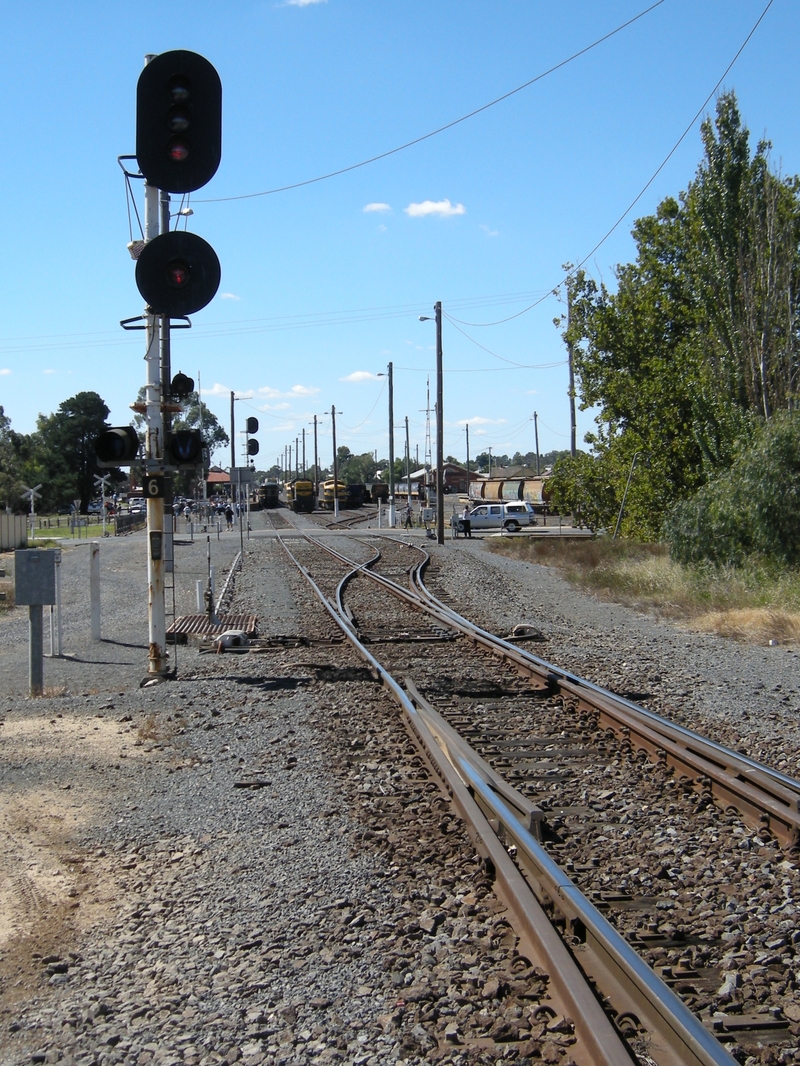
35,576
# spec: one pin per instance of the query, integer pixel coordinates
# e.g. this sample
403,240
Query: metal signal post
154,466
178,149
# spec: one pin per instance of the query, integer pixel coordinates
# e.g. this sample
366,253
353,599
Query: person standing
409,517
466,523
229,516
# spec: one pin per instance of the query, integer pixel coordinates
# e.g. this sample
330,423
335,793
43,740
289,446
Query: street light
437,308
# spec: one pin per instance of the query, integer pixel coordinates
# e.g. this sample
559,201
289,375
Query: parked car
509,516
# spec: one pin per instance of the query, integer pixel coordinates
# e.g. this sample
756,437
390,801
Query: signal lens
179,89
177,274
178,120
178,150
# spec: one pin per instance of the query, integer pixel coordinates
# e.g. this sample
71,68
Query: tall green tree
63,457
699,338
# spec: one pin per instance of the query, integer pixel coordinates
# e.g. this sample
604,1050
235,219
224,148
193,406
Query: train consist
356,495
330,491
269,494
534,490
300,495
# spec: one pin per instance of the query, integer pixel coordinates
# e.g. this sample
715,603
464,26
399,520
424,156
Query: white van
511,516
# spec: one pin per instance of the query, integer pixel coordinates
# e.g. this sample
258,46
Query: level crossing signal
185,448
179,121
117,446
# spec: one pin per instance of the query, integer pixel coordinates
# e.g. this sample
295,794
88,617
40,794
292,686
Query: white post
94,588
59,628
199,590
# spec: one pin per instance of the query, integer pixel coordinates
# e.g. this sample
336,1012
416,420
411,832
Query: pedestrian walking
229,516
409,517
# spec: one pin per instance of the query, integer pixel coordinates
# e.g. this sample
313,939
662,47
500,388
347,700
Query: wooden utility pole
572,422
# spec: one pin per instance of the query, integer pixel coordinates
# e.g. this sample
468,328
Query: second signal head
177,273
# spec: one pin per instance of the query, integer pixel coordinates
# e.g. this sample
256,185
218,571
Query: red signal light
178,151
177,274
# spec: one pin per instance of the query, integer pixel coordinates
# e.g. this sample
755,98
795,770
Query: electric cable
636,199
440,129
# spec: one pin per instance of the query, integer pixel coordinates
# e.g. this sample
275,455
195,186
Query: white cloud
223,390
442,208
489,232
303,3
44,371
360,375
228,296
5,371
382,228
274,406
294,392
376,207
478,420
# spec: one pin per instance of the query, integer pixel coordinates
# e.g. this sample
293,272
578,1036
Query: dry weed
148,730
754,625
52,692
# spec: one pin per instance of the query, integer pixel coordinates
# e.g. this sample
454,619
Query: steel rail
604,1045
605,955
759,793
675,1034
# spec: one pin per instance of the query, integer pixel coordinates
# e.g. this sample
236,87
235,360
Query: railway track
568,790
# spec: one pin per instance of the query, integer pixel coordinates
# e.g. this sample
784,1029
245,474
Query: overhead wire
518,366
446,126
641,193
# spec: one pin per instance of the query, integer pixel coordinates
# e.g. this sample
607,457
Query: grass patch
757,602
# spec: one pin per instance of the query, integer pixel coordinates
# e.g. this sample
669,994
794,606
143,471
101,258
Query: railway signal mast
178,149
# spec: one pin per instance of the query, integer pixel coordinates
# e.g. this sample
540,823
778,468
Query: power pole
536,433
570,354
490,460
391,448
304,452
467,429
316,462
297,456
408,464
427,458
437,307
233,440
200,418
335,466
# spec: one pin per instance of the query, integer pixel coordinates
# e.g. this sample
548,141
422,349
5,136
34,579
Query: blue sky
319,292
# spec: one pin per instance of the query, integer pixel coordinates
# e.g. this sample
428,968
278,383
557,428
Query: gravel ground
244,865
221,869
745,696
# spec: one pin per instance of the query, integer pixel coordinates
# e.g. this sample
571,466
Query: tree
196,415
14,450
699,340
63,453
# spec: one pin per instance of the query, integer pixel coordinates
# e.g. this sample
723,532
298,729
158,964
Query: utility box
35,576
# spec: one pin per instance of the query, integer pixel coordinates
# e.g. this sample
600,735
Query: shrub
752,509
